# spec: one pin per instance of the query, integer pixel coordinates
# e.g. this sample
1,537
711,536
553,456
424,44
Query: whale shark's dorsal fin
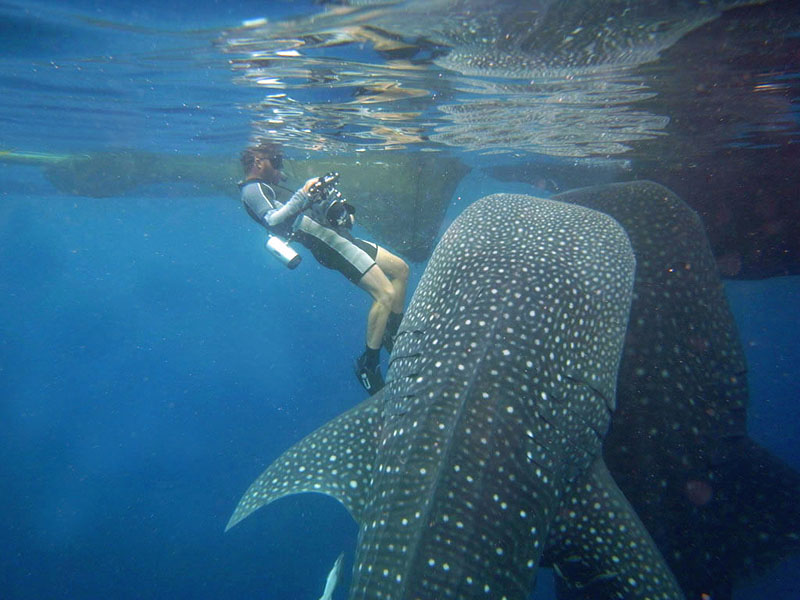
336,459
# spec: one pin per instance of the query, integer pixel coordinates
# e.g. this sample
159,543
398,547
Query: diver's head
263,161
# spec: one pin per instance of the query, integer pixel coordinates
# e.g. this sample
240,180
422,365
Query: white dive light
281,250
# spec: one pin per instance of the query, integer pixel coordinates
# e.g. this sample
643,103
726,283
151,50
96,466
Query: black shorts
337,249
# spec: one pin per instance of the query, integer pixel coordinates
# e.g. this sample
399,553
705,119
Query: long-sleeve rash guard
271,213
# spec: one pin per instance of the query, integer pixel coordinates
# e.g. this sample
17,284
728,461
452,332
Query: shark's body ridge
483,451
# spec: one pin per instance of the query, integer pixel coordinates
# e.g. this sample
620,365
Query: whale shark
719,505
482,456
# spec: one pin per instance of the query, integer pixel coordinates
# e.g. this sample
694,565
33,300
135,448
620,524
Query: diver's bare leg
396,269
382,291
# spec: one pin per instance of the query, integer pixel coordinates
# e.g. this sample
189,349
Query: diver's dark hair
266,149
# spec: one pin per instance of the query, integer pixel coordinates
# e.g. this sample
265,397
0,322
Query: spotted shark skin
718,505
484,448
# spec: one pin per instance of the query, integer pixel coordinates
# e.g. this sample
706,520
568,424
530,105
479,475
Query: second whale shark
719,505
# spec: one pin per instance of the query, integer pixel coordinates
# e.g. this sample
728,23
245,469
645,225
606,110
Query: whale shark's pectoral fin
599,548
336,459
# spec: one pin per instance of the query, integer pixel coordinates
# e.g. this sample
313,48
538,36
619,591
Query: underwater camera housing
329,204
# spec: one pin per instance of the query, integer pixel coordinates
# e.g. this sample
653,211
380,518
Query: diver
319,218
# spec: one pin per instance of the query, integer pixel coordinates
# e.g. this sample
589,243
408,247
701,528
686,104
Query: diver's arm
299,201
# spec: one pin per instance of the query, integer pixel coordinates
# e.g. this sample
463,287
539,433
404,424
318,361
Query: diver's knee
384,294
402,271
392,265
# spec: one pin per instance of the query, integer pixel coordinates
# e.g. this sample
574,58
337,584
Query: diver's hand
308,185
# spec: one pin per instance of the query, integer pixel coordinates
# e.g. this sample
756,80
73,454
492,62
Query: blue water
153,358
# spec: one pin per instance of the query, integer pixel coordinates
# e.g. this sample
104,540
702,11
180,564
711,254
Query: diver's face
269,168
